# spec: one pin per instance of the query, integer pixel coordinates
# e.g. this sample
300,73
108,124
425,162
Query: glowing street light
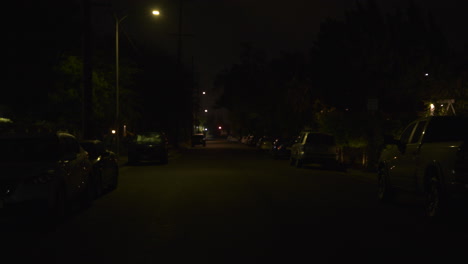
117,77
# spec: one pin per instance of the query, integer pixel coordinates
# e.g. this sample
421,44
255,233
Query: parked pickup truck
429,158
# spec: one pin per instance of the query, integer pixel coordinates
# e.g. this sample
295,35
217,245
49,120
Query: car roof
32,131
91,141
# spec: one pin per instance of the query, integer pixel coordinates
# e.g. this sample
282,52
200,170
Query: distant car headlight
43,178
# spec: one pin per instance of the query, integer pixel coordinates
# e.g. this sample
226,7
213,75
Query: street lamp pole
117,92
117,71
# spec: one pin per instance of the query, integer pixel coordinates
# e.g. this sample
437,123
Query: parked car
42,172
148,146
265,143
198,139
105,166
314,148
281,148
429,158
245,139
232,138
252,140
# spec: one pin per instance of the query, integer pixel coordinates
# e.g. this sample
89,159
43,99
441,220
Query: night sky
217,27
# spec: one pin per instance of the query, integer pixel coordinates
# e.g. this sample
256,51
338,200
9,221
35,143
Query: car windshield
88,146
447,129
154,138
93,149
28,149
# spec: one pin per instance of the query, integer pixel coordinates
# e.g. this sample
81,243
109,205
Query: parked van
314,148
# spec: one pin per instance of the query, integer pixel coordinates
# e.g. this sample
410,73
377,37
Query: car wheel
434,202
165,160
88,194
115,179
58,211
384,192
299,163
292,161
97,186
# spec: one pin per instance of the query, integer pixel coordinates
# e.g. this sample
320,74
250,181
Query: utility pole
195,121
117,87
182,115
87,92
178,76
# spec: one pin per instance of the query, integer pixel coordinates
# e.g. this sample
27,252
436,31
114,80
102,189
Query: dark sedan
149,146
105,166
282,147
198,139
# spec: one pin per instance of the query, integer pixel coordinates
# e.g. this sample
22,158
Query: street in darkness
229,203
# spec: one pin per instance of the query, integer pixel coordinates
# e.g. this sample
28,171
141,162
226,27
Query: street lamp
117,91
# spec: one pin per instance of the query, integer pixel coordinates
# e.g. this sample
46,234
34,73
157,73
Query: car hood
147,145
23,170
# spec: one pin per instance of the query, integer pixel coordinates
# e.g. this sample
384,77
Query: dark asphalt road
228,203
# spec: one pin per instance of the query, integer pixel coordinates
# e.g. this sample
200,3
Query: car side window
405,136
418,132
74,145
100,148
70,145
